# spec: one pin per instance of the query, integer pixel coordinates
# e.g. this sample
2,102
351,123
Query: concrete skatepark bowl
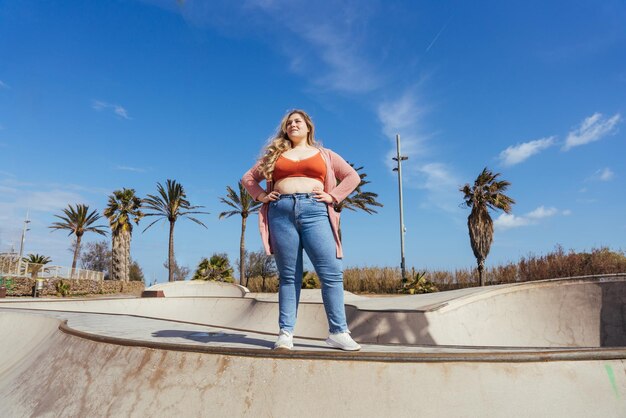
553,348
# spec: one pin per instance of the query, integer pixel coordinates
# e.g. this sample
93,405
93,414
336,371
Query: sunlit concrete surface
550,348
200,288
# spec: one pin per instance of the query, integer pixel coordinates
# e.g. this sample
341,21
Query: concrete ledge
201,288
480,356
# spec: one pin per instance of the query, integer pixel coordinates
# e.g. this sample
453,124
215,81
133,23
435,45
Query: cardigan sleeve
347,176
251,181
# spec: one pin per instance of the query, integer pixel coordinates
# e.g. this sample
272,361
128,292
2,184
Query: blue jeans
297,222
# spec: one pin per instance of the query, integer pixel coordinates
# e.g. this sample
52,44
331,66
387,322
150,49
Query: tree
243,204
216,268
135,273
123,209
97,257
171,203
78,220
36,263
487,193
359,199
260,264
179,273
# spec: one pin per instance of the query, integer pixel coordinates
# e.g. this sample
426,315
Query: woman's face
296,127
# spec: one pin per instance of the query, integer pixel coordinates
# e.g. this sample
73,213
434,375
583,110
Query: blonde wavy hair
280,143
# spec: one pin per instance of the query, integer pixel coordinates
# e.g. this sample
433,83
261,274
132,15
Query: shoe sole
341,347
283,348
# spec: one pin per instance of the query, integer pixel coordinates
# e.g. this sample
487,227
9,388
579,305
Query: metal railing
17,268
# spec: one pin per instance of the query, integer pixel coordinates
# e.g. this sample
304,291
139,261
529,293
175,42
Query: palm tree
78,220
487,193
216,268
124,206
359,199
171,203
243,204
36,263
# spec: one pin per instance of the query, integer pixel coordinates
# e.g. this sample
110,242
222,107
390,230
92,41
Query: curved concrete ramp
67,375
576,312
580,312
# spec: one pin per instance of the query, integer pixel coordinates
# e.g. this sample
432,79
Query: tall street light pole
19,260
399,158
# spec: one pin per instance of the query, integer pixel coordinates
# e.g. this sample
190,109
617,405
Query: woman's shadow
208,337
221,337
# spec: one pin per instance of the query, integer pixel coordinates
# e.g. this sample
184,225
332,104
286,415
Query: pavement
550,348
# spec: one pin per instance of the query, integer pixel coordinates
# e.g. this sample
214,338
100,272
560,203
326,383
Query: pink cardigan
336,169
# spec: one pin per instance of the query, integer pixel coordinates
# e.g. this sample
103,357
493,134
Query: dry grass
558,263
255,284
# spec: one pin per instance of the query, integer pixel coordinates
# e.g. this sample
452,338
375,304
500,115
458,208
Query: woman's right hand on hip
273,196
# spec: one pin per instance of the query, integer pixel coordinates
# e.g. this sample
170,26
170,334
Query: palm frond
359,199
228,214
197,221
155,221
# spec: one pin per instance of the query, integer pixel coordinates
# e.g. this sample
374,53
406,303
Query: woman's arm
348,177
251,181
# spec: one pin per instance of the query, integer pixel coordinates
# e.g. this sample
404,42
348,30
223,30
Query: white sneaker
343,340
285,340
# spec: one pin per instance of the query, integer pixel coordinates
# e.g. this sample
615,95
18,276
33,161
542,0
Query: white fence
16,268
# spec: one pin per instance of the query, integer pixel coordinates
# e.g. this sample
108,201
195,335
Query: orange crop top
312,167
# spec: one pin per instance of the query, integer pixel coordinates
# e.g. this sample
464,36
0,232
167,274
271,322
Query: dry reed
555,264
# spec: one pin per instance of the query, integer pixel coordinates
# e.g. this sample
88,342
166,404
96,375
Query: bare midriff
290,185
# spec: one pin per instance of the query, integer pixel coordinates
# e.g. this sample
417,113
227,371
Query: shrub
417,283
310,280
63,288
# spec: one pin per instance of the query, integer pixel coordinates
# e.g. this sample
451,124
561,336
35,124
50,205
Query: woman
297,213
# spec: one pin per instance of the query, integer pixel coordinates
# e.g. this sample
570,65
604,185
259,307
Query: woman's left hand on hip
322,196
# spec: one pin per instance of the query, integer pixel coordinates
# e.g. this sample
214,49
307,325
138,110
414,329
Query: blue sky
96,96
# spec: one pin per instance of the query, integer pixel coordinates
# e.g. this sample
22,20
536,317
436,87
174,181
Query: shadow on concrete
391,327
208,337
613,315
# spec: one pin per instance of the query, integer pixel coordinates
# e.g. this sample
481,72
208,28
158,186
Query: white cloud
593,128
441,184
397,115
117,109
99,105
39,200
120,111
326,42
127,168
17,196
521,152
438,177
42,201
327,46
542,212
604,174
402,116
509,220
3,85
